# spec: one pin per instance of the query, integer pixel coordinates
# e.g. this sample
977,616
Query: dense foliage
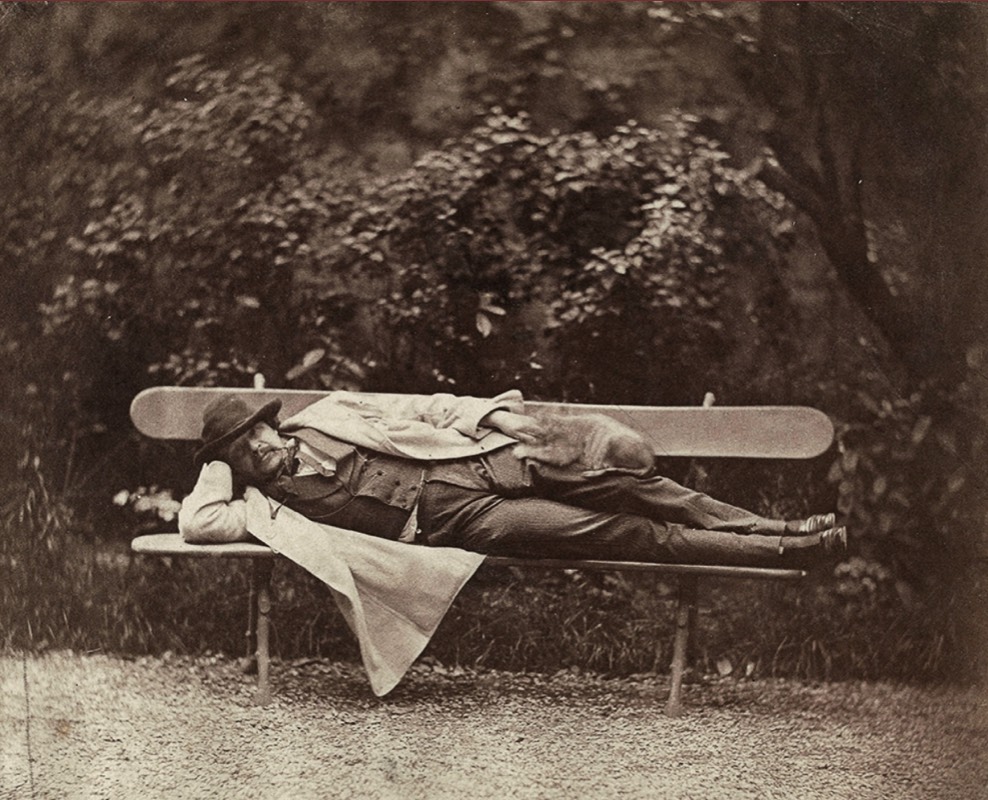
581,267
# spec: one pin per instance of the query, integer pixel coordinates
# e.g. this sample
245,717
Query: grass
100,597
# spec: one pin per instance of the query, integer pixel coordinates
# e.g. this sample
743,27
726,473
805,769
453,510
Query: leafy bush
192,261
907,476
506,254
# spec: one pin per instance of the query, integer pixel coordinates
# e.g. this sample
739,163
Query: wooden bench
706,431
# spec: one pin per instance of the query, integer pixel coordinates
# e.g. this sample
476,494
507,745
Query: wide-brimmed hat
226,418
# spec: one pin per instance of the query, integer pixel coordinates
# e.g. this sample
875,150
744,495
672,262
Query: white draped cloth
392,595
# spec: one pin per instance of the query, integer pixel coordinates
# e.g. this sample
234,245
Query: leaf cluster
564,241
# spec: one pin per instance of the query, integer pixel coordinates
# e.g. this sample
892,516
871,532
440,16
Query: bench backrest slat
721,431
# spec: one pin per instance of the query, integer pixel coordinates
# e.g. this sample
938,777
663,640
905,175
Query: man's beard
287,463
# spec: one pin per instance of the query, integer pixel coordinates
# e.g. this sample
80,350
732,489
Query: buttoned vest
370,492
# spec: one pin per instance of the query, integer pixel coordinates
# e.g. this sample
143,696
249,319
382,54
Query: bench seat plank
707,570
172,544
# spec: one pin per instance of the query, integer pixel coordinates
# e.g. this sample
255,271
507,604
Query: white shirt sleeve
210,513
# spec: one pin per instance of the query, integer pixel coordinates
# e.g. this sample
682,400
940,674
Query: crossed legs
536,527
655,497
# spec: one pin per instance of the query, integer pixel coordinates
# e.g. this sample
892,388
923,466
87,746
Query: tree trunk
828,130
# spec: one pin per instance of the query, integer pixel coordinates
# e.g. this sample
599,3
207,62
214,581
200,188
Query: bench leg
685,615
262,582
250,635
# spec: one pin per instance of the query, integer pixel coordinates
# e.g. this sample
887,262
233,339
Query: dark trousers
500,505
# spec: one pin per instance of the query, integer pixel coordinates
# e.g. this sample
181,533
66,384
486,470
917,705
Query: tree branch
843,239
798,192
794,164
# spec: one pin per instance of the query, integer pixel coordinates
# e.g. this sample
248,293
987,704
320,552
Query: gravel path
99,727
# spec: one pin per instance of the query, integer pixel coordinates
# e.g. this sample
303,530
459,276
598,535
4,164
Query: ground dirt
99,727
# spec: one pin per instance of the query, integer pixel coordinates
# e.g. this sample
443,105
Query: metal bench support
262,582
262,562
685,617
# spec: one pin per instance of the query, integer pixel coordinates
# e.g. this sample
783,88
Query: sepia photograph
532,399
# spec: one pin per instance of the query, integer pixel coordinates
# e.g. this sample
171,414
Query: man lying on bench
479,475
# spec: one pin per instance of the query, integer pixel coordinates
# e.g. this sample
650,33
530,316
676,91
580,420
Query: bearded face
258,455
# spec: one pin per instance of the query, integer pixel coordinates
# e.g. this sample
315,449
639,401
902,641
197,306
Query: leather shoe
834,541
817,523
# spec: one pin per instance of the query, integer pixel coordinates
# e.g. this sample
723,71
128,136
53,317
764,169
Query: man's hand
518,426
